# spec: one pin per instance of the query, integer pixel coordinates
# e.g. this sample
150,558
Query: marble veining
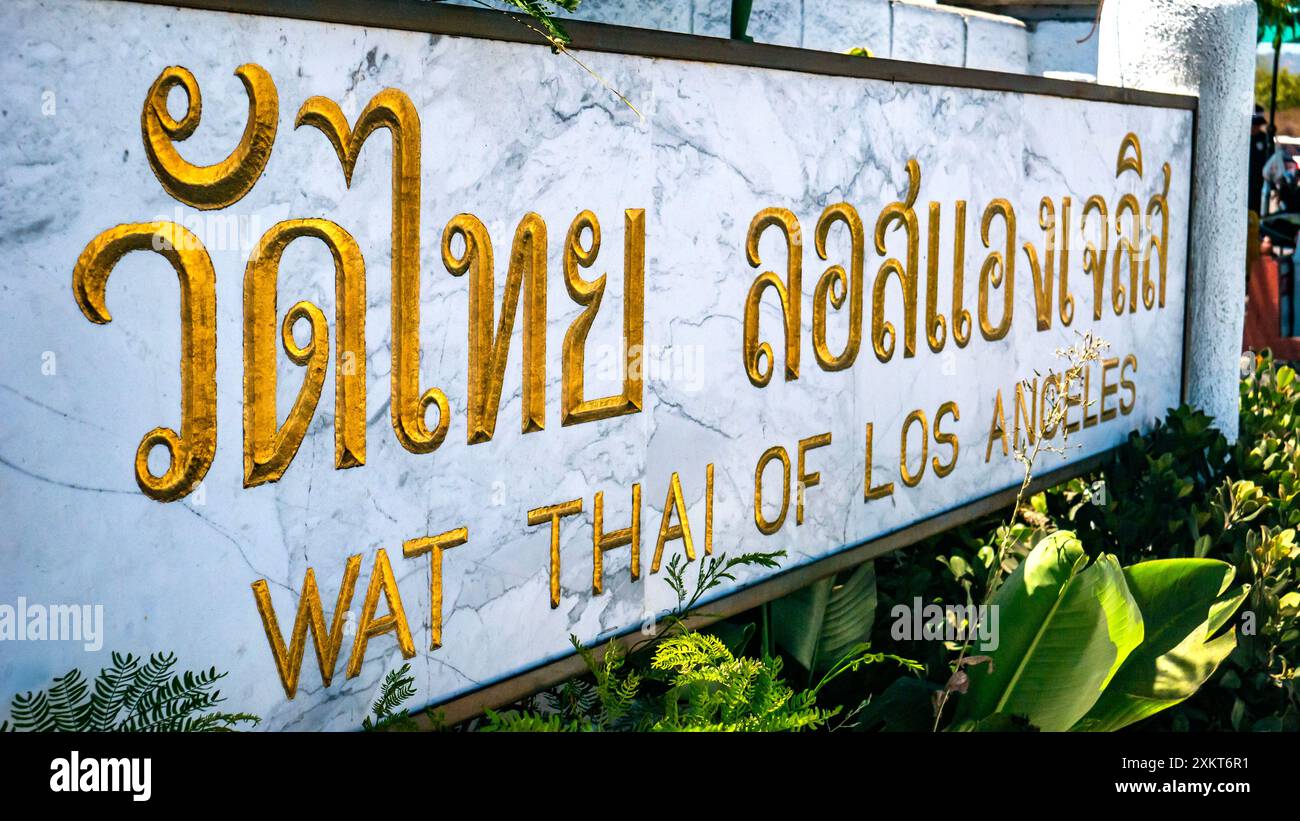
507,129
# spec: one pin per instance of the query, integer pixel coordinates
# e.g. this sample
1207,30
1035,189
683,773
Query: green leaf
820,623
1285,376
996,723
1183,605
1065,629
906,706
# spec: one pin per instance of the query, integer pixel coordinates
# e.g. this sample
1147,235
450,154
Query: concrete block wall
915,30
1054,47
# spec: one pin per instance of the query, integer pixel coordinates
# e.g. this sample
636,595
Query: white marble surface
506,129
840,25
996,43
928,33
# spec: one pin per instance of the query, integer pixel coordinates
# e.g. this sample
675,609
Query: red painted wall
1263,318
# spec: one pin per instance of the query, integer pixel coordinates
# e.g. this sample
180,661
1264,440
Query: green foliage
397,688
818,624
388,712
1086,646
1288,88
541,11
130,695
1184,604
691,680
1276,14
1140,507
1066,627
1179,492
712,572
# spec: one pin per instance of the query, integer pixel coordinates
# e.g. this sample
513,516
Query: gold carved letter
1094,258
488,354
1043,274
209,186
883,334
393,110
190,452
268,450
767,528
835,285
602,541
758,354
1156,244
999,269
434,546
288,661
381,581
573,407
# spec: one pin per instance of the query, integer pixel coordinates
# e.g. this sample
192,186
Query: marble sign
820,309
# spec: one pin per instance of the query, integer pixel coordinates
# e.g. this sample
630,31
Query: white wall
1054,46
913,30
1207,48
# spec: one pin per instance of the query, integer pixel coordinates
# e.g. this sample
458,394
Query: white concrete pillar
1207,48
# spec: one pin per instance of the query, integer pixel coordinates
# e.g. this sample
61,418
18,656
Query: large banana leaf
1183,605
1065,629
820,623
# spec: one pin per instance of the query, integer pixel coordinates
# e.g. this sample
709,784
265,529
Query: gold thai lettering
574,408
1094,256
759,358
392,110
961,322
1157,243
998,270
208,186
1043,275
190,452
836,286
488,353
884,335
268,450
936,325
1132,244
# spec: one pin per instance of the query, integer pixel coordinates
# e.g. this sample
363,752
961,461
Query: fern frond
149,678
513,721
66,710
164,708
31,711
111,688
151,703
